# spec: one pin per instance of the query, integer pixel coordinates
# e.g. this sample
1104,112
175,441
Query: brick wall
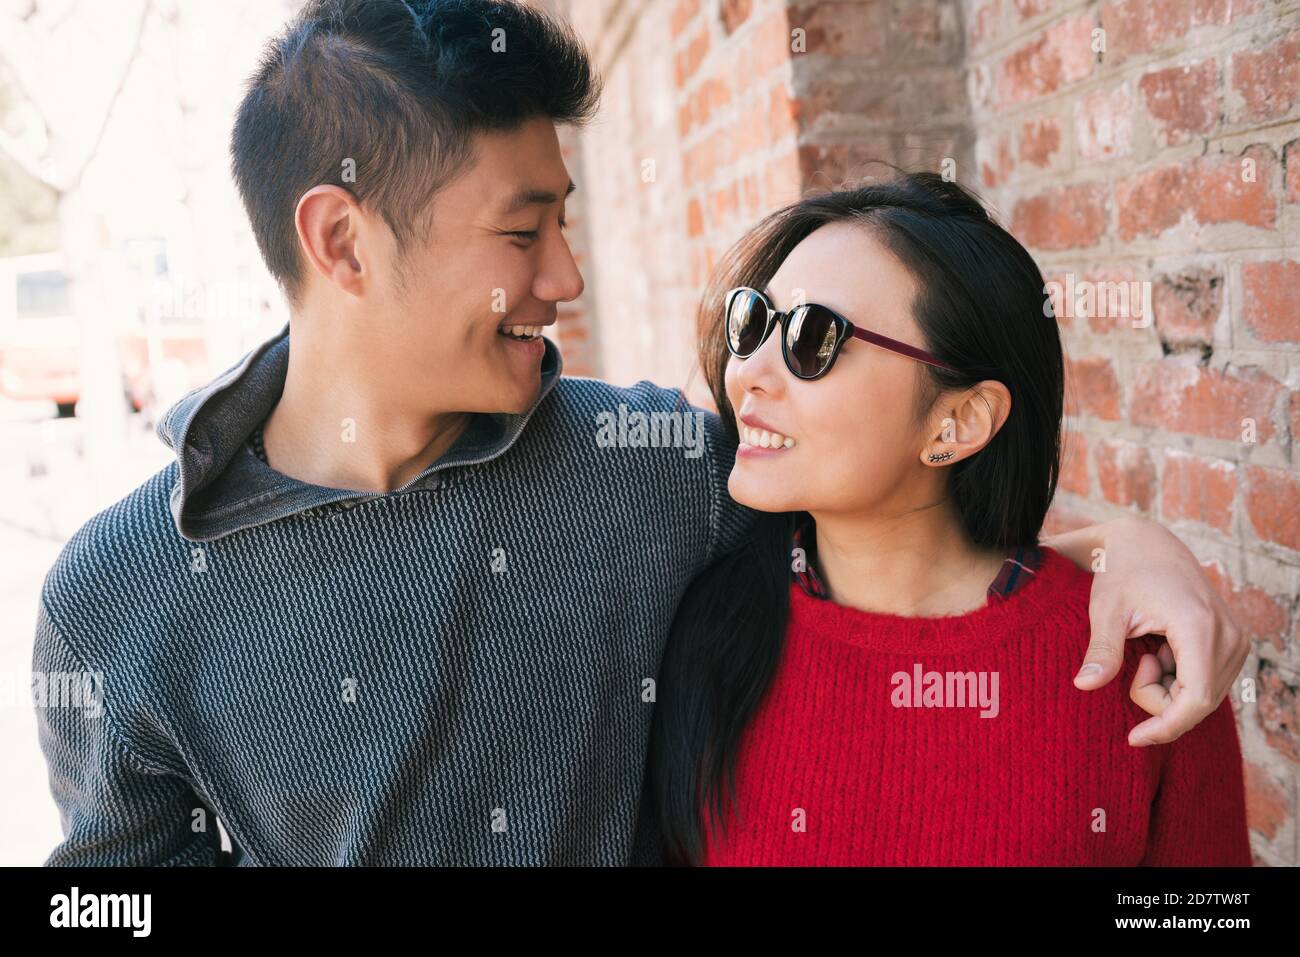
1148,154
710,120
1148,143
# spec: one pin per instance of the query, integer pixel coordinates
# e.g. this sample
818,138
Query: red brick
1201,401
718,92
699,162
768,45
733,13
688,61
828,166
782,182
1198,490
682,14
1111,300
1103,124
1279,712
1060,55
747,138
698,103
1268,80
782,113
1092,387
1271,300
1187,304
1039,139
1064,217
1223,196
1268,807
1154,200
1260,616
1140,26
694,219
1074,464
916,28
1273,505
826,102
1182,100
723,204
998,171
1210,189
1061,519
982,22
842,29
1032,8
1291,157
1125,474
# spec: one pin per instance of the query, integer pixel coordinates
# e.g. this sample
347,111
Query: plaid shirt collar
1020,566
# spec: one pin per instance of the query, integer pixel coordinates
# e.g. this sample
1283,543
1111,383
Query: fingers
1105,655
1178,690
1151,685
1237,645
1165,654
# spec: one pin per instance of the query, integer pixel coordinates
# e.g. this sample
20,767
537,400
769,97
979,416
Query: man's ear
965,422
327,220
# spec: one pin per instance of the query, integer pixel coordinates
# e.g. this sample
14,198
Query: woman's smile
758,439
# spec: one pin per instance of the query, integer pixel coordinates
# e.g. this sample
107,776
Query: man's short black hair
398,88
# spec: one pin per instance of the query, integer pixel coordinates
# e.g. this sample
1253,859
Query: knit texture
459,672
833,770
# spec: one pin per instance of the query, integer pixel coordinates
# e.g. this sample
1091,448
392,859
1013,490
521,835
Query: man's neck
338,426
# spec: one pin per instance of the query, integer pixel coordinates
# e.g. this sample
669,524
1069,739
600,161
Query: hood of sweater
222,488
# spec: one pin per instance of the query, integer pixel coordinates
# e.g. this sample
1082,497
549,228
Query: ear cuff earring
941,456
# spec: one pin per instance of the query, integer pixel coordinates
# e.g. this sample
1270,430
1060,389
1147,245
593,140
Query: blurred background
1147,153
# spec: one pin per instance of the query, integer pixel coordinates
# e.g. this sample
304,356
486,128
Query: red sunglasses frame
846,330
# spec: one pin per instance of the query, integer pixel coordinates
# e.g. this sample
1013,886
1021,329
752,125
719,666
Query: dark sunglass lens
746,320
810,339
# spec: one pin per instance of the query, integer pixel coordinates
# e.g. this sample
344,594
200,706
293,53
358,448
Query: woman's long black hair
982,308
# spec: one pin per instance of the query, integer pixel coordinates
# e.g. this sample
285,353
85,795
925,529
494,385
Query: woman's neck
916,563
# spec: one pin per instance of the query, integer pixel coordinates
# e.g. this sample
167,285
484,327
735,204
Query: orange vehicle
39,335
41,348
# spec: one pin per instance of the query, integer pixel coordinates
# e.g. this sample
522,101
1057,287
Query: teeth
522,332
761,438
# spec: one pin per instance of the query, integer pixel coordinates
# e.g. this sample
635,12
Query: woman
882,676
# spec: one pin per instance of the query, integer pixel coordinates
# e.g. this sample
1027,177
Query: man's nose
559,279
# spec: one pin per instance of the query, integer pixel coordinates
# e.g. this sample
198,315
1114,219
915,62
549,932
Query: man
394,603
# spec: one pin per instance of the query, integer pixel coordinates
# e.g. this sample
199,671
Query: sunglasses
812,334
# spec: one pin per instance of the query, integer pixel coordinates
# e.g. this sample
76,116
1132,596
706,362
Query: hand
1152,584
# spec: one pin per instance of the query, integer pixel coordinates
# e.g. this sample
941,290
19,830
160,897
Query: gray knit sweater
457,672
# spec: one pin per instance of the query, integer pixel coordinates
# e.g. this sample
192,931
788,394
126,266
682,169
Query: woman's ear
966,421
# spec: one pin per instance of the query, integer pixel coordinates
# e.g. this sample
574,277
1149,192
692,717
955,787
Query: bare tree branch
32,164
117,93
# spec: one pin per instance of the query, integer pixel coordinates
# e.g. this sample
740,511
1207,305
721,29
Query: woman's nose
764,370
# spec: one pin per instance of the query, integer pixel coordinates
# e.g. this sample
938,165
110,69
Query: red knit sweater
836,770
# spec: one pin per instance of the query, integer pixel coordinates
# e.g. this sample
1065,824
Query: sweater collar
1057,588
222,488
1020,565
